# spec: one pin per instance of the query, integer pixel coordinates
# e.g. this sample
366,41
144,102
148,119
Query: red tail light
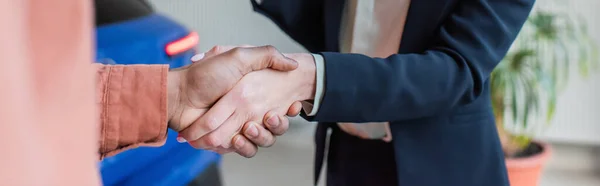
182,45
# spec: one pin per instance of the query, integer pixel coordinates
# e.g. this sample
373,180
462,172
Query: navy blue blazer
435,91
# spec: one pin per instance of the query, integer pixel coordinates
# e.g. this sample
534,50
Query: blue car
131,32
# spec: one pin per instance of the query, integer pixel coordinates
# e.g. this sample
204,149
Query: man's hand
255,95
194,88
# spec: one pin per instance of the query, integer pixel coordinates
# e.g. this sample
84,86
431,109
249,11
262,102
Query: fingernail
252,131
197,57
238,142
180,139
273,121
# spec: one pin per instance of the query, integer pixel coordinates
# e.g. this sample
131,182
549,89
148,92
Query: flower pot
526,169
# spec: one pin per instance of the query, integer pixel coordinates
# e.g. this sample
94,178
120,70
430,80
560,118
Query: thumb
259,58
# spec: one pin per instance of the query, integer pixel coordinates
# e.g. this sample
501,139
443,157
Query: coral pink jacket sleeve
132,101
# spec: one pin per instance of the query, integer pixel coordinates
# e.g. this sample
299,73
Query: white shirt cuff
312,108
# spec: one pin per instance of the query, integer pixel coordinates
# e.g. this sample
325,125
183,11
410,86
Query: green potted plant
526,83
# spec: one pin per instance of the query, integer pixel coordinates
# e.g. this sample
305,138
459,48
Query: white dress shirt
369,27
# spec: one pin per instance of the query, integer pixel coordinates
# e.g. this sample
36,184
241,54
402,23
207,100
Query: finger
221,150
208,122
276,123
244,147
294,110
222,135
258,134
275,59
258,58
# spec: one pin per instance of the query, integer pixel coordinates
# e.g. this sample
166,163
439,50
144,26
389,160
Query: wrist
174,78
307,75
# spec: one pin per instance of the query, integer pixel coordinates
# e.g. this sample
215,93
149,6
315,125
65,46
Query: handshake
234,99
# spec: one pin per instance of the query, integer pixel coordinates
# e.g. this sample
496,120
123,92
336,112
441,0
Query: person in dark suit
420,77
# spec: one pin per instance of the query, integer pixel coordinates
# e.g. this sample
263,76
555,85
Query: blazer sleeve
452,72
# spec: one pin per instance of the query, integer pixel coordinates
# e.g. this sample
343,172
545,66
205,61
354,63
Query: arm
132,102
451,73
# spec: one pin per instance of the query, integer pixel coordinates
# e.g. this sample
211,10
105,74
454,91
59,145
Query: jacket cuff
341,93
133,103
311,108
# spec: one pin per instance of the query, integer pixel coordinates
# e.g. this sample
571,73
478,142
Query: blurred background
573,131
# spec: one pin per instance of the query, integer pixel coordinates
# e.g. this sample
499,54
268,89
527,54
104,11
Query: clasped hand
236,98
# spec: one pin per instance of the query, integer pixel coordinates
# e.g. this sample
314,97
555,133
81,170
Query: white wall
578,111
231,22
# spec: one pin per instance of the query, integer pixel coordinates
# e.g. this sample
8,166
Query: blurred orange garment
49,107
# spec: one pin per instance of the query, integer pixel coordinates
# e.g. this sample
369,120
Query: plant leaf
533,91
513,97
554,73
526,109
551,106
522,141
565,58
